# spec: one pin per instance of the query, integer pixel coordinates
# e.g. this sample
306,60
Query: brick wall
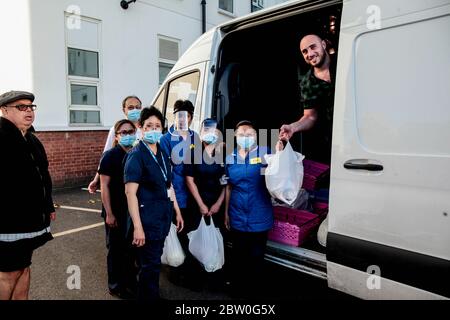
73,155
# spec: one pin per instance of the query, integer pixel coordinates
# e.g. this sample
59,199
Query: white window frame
86,81
226,12
167,61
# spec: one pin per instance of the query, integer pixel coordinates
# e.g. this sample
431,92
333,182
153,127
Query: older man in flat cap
26,205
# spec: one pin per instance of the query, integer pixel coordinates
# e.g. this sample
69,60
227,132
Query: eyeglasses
131,107
125,132
24,107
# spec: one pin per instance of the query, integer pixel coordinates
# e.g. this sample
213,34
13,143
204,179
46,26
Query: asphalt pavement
73,265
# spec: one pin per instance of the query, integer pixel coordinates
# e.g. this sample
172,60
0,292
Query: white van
389,192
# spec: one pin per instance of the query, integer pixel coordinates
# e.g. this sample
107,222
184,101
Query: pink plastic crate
312,173
292,226
320,207
315,169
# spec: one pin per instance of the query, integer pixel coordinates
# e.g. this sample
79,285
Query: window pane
159,103
82,33
82,116
185,88
164,69
226,5
168,49
83,63
83,95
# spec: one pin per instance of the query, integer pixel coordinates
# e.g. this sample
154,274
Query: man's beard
321,62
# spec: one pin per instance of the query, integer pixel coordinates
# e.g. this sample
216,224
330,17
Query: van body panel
380,117
366,286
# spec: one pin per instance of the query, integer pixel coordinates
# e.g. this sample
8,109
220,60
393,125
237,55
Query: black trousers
149,261
247,261
120,259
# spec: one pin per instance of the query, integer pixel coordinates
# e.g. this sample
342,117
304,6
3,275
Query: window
169,52
226,5
257,5
83,72
184,87
159,103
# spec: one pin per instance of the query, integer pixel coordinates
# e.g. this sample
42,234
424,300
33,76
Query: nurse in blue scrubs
151,201
180,143
248,209
205,181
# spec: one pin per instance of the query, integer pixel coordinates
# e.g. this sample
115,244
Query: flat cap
12,96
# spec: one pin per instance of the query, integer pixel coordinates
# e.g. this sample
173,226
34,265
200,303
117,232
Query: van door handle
363,166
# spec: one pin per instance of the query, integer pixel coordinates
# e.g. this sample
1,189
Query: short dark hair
149,112
119,124
183,105
129,97
244,123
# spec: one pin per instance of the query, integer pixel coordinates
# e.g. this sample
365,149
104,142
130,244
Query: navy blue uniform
207,175
120,258
155,209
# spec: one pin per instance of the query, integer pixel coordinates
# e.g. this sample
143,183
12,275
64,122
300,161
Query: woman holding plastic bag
149,191
248,209
205,181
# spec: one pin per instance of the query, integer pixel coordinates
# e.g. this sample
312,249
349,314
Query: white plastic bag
206,245
284,174
323,232
173,254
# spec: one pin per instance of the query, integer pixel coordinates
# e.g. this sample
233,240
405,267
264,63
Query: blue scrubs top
155,207
180,151
250,207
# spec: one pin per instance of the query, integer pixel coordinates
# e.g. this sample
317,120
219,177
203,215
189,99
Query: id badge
255,160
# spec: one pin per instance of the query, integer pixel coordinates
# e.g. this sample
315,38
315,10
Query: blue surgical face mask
152,136
210,138
246,142
128,140
133,115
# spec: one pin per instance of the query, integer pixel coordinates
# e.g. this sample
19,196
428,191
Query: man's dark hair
129,97
149,112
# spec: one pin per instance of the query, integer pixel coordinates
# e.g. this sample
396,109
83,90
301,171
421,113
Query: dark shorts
14,258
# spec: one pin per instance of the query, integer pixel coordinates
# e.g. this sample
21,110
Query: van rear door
389,220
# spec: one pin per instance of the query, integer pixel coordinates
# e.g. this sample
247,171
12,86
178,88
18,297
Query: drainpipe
203,3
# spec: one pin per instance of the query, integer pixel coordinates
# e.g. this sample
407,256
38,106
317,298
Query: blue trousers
149,260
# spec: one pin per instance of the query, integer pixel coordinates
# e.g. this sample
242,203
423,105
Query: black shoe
122,294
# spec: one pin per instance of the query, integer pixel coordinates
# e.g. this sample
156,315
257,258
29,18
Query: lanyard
164,172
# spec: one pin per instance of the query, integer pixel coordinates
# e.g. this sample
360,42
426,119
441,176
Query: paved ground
85,249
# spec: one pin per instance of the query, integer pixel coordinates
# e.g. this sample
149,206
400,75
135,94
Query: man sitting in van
317,97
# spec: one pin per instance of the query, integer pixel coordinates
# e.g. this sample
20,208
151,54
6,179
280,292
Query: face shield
181,121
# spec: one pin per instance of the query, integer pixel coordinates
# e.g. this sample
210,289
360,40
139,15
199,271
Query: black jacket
25,183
